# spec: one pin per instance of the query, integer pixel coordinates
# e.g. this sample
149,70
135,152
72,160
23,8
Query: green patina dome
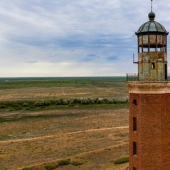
151,26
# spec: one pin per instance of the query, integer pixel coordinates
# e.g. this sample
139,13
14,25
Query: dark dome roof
151,16
151,26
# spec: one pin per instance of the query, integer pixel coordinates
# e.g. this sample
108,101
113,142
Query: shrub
27,169
83,101
64,162
99,102
60,102
47,103
65,102
70,102
50,167
96,100
25,104
38,103
76,163
115,101
121,160
76,101
2,106
110,102
89,101
105,100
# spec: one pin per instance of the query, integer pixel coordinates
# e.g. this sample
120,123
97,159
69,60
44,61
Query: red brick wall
153,132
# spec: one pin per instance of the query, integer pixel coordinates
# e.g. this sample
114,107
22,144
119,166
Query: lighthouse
149,97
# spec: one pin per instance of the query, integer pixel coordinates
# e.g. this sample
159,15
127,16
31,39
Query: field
90,135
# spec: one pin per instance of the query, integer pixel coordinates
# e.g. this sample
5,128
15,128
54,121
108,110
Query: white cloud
72,38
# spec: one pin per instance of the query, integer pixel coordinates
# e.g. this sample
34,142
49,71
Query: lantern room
152,51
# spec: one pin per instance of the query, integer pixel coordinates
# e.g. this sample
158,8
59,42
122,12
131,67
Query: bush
47,103
25,104
121,160
27,169
105,100
64,162
115,101
70,102
59,102
76,163
39,103
76,101
99,102
65,102
84,101
2,107
96,100
50,167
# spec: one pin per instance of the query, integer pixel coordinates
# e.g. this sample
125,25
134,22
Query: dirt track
95,138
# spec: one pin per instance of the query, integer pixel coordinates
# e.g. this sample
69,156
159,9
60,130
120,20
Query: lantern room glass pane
152,27
163,28
146,27
140,40
152,39
164,40
145,39
159,39
159,28
141,27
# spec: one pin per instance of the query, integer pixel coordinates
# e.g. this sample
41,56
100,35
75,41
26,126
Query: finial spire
151,15
151,5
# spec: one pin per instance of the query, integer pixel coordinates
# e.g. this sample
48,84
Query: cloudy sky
73,38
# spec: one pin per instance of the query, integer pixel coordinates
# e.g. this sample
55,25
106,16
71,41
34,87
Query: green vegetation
10,106
15,83
64,162
50,167
121,160
77,163
27,169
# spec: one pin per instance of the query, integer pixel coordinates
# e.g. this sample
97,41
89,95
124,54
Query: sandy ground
94,137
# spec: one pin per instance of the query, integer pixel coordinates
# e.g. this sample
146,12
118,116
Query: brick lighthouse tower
149,117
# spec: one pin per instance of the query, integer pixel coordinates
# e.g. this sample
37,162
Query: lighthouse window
162,49
134,148
135,102
152,49
134,124
153,65
158,49
145,49
140,49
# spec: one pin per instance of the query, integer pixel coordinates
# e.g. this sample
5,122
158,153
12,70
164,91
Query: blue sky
73,38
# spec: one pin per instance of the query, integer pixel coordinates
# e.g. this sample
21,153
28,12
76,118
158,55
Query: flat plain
91,136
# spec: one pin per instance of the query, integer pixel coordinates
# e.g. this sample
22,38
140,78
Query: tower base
149,125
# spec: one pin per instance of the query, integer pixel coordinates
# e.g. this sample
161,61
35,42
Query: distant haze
73,38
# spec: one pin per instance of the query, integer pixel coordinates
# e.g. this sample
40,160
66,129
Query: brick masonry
153,131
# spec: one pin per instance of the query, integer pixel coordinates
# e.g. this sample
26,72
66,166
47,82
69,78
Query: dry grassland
93,137
116,90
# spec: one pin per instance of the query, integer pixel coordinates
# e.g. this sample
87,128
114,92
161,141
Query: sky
56,38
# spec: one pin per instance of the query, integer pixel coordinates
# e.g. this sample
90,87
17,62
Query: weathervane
151,5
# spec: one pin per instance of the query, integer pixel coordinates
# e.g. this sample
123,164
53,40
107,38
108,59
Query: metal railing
132,77
135,77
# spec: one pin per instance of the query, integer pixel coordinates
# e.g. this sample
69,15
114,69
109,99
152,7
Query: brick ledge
148,87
